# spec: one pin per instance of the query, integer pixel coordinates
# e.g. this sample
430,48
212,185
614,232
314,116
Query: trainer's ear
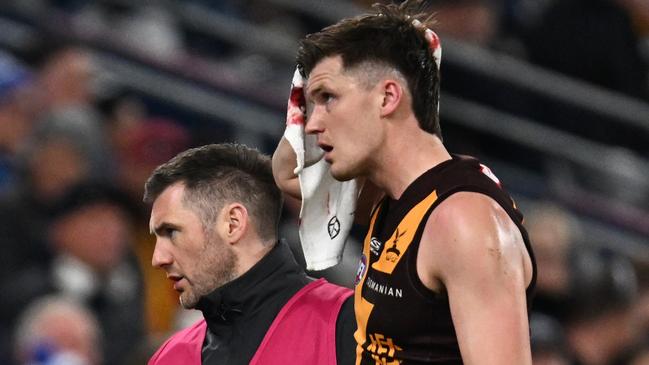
233,222
393,93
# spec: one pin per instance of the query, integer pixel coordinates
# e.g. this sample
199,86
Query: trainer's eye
171,233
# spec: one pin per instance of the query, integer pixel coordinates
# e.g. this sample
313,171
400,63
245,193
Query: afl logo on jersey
360,272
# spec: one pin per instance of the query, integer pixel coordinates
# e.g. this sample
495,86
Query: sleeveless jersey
400,321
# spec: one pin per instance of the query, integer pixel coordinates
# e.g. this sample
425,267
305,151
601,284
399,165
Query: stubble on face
216,266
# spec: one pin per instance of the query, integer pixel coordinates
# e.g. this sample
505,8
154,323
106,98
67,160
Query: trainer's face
196,261
345,116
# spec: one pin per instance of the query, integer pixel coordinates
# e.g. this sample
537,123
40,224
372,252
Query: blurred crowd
78,286
592,303
74,230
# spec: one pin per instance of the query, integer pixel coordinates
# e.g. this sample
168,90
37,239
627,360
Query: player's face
344,116
196,261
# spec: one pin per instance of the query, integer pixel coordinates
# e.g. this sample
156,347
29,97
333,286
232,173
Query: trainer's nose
161,257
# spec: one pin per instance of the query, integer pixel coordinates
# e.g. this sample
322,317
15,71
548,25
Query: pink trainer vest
304,332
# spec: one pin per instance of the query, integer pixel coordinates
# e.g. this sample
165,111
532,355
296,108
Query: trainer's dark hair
385,38
217,174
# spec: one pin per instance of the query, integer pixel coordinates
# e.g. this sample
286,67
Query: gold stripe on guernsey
362,307
396,246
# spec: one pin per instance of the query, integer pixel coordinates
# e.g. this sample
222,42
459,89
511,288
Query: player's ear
392,93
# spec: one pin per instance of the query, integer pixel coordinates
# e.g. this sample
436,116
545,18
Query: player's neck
405,157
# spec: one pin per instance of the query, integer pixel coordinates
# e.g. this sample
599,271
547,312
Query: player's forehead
328,69
330,64
329,74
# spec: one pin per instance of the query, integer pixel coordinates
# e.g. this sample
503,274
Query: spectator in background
122,111
93,234
61,150
59,154
601,325
145,145
90,237
67,147
549,345
16,117
66,86
65,80
55,330
554,233
636,355
67,95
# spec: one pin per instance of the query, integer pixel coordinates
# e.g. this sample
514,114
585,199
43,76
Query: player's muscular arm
284,164
472,250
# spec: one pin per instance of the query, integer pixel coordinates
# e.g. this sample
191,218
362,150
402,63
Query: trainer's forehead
167,205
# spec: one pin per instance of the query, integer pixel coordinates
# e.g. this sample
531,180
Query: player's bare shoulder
469,232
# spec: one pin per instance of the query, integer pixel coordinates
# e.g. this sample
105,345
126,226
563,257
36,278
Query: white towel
328,205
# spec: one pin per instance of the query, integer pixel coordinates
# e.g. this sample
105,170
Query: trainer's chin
187,300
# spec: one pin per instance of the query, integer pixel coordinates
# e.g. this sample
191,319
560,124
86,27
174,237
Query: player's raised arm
284,164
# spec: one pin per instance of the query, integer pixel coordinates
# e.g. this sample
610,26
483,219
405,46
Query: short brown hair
385,38
216,174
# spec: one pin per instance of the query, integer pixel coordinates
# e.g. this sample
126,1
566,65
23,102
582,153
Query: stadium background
552,95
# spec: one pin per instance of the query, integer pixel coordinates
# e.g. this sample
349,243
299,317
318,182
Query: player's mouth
327,151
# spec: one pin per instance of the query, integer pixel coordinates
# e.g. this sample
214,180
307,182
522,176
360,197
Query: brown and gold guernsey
400,321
